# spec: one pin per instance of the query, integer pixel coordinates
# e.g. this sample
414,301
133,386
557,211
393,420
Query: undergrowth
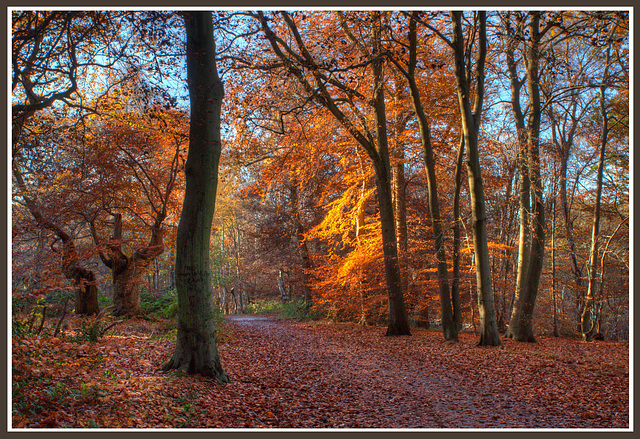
294,309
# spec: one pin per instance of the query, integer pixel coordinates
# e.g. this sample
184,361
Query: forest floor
287,374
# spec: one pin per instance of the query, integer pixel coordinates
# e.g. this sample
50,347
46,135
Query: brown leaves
287,375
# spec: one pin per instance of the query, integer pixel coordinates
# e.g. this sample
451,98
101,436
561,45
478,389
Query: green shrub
170,311
268,306
102,299
294,309
166,306
298,310
90,330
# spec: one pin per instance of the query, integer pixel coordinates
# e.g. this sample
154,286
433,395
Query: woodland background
323,112
99,153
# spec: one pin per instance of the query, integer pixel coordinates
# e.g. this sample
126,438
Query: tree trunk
126,291
589,314
398,175
521,327
532,216
302,243
283,291
449,326
196,345
127,271
86,291
489,335
553,268
457,222
398,323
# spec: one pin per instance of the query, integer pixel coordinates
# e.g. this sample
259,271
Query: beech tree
147,149
449,299
317,82
196,345
532,226
589,313
471,118
51,51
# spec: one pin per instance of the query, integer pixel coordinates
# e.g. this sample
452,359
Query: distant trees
529,40
383,160
340,99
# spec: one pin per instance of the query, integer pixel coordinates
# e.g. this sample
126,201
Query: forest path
325,376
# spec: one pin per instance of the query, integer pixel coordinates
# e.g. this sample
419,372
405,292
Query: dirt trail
360,379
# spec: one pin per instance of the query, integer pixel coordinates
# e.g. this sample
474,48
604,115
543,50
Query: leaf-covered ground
313,375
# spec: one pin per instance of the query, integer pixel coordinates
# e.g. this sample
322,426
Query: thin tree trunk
301,242
589,315
571,242
196,345
553,268
457,223
529,272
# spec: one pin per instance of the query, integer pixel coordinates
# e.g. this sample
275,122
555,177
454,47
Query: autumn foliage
343,192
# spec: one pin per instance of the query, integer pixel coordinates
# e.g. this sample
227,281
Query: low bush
165,306
294,309
268,306
90,330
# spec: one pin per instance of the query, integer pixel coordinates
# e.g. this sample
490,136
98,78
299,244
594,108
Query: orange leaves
297,375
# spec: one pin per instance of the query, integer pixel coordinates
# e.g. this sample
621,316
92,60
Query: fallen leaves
295,375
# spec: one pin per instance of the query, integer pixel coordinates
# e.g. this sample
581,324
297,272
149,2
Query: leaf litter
288,374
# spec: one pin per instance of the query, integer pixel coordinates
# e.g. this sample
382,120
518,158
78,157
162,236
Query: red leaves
287,375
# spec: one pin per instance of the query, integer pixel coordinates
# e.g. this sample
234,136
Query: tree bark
196,345
589,312
489,335
457,222
127,271
303,249
449,326
398,323
532,211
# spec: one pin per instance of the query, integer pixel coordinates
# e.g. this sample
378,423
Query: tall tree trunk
565,208
398,174
553,267
301,242
589,313
457,223
523,331
505,238
489,335
532,219
449,326
196,345
398,323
